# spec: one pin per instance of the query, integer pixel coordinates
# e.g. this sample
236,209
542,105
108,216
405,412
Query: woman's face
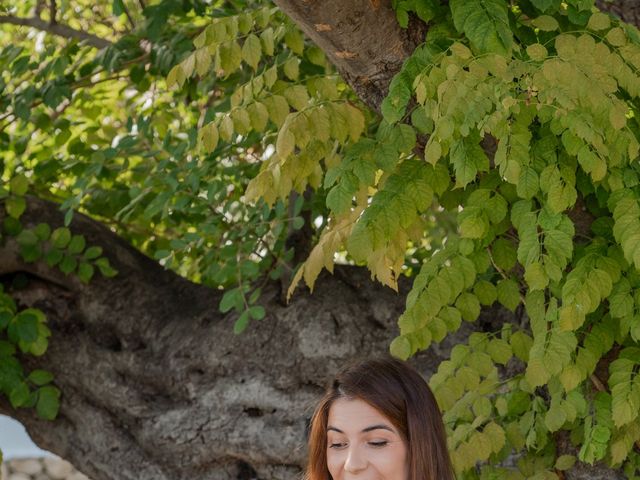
362,444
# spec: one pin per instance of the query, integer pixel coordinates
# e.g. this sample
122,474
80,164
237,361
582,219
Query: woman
378,420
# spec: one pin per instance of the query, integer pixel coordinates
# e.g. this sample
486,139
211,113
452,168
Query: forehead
354,415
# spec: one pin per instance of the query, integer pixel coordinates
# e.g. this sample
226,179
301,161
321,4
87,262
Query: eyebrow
365,430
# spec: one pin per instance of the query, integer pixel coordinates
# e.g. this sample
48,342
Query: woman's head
379,419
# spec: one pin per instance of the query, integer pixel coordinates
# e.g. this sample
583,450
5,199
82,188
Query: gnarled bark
361,38
157,386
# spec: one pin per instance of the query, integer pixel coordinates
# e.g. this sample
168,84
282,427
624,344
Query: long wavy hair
400,393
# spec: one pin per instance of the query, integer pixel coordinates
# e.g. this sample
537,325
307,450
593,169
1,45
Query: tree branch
152,374
56,29
53,12
361,38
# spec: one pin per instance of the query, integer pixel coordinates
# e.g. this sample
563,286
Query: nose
355,462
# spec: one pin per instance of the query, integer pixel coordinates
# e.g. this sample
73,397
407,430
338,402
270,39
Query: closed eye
379,444
337,445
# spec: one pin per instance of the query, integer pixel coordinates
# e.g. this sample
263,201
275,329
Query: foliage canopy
208,133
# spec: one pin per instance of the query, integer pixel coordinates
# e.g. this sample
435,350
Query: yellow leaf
599,21
259,116
537,52
209,136
176,76
356,122
252,51
291,68
188,64
286,142
203,61
226,128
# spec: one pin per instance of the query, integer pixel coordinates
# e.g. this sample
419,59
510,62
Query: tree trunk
157,386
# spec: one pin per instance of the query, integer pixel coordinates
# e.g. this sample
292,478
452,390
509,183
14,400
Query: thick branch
56,29
152,374
361,38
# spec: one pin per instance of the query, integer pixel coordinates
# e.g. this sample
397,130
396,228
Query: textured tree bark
155,384
361,38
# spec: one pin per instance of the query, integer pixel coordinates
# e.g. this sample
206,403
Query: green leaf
61,237
252,51
230,299
544,5
294,40
508,293
527,183
521,344
19,395
40,377
15,206
68,264
18,185
26,324
230,57
105,268
48,402
285,143
257,312
209,136
468,158
395,103
500,351
241,323
297,97
176,77
555,418
27,238
117,7
92,253
486,292
76,244
278,109
291,68
599,21
267,41
537,52
535,276
503,253
565,462
85,272
400,348
546,23
43,231
53,257
485,23
469,306
258,115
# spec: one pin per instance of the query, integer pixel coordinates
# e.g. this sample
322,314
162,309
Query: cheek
335,461
392,463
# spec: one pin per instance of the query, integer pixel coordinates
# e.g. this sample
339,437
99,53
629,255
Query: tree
496,165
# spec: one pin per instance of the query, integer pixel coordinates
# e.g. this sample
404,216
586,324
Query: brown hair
400,393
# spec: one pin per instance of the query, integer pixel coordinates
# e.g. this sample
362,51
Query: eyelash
373,444
378,444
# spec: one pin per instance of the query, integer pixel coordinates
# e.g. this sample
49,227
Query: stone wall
47,468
